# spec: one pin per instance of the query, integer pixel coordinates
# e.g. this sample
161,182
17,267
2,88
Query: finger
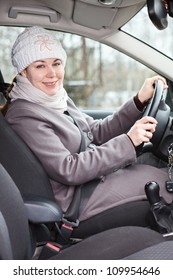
148,119
148,135
162,79
149,127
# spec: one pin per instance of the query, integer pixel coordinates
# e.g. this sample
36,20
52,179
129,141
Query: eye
57,63
39,66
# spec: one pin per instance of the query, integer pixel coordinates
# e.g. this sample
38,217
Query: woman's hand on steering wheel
142,130
152,91
147,90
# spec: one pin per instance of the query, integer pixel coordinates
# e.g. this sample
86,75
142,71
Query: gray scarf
23,89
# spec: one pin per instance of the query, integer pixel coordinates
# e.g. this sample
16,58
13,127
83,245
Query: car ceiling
89,18
86,16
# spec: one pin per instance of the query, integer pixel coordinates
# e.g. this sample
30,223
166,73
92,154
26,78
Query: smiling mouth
49,83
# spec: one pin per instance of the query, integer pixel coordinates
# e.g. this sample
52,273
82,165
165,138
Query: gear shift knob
152,192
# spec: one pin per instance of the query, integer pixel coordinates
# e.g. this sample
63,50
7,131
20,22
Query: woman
47,119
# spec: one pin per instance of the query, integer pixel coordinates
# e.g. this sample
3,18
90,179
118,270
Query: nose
51,72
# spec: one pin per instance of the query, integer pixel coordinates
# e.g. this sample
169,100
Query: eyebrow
43,61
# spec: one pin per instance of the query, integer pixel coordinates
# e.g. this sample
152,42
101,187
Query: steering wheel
152,110
153,105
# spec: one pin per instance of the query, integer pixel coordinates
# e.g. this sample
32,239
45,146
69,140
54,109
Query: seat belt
70,217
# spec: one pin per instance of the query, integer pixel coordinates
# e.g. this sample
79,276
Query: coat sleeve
116,124
62,165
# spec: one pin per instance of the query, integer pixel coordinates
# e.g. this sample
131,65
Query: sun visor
94,17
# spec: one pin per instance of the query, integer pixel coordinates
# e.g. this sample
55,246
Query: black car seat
16,243
31,179
21,164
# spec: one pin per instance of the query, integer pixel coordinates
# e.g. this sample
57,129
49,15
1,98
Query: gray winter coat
55,140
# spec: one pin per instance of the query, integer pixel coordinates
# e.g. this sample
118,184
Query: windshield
144,30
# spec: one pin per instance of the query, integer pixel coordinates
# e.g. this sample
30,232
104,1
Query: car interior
27,203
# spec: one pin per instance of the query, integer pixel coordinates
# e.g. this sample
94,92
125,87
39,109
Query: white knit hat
35,43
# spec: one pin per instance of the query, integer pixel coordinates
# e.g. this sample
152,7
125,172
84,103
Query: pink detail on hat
44,42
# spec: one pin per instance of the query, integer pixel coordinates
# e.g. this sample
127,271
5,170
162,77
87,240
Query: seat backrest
15,241
21,164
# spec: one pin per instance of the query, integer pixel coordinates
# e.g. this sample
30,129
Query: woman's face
47,75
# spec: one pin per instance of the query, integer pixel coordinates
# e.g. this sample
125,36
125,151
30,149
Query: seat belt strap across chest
70,217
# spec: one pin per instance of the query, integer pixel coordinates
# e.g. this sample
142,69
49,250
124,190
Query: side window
8,36
99,77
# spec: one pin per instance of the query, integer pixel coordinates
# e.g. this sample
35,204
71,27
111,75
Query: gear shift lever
152,192
161,211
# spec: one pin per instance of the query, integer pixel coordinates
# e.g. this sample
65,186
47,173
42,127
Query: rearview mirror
157,11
